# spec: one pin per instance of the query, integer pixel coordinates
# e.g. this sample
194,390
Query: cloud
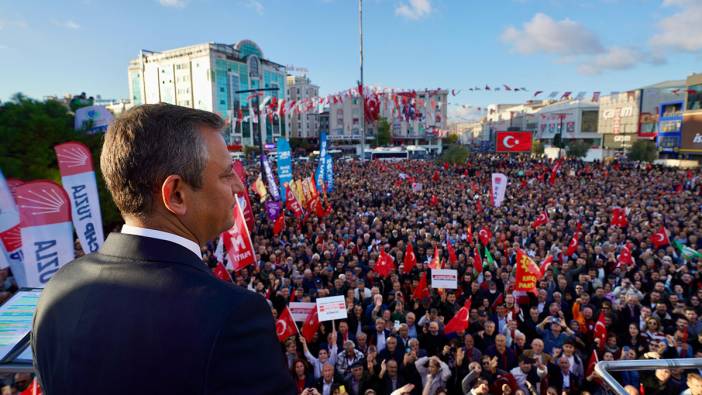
542,34
414,9
10,23
617,58
681,31
69,24
173,3
254,5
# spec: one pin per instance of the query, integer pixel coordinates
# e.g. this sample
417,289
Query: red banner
243,197
513,141
527,273
237,242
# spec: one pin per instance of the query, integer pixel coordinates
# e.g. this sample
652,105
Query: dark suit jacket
555,379
147,315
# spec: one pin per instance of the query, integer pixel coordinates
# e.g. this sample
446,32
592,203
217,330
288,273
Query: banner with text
499,188
78,179
284,166
237,242
331,308
444,278
46,229
10,234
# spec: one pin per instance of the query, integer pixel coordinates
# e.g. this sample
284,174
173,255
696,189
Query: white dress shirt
161,235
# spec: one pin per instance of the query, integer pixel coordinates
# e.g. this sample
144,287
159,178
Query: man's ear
173,194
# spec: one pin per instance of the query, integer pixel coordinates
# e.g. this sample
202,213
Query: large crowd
539,342
515,342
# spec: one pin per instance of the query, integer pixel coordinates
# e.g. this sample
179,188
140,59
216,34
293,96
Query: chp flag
10,236
499,188
78,178
237,241
46,229
513,141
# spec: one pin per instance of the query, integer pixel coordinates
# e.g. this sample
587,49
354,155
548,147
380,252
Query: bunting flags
410,259
78,178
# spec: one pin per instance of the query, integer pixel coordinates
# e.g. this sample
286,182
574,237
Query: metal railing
603,368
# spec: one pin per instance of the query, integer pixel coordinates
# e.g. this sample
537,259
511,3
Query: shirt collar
161,235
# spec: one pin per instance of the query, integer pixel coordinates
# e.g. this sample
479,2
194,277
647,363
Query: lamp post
363,116
252,111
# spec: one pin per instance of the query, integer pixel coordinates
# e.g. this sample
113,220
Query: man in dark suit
560,377
144,311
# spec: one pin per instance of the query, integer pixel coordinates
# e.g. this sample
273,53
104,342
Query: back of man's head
148,143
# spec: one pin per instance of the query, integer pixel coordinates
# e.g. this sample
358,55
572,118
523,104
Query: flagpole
363,117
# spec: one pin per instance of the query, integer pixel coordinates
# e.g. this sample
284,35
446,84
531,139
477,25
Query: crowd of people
515,342
542,342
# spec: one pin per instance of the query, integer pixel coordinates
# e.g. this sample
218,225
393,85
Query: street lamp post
252,111
363,116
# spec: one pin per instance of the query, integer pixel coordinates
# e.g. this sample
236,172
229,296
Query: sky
72,46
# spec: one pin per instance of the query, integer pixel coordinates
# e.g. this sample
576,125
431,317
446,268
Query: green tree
451,139
537,147
29,130
643,150
577,149
455,154
382,137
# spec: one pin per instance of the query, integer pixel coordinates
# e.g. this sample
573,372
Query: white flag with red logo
285,325
46,229
499,188
78,179
237,242
10,232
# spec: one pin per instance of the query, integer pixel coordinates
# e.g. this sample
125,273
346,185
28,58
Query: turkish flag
478,206
545,264
435,177
279,224
459,322
434,200
660,238
451,252
619,217
477,261
554,171
435,262
513,141
410,259
625,257
384,265
468,303
32,389
601,331
422,289
572,245
485,235
542,219
285,325
311,325
591,363
469,235
222,273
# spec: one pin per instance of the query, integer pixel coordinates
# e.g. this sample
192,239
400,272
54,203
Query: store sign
618,141
691,133
669,143
622,112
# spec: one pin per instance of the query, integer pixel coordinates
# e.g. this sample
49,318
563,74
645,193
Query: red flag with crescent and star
435,262
513,141
485,235
660,238
459,322
572,245
285,325
311,325
542,219
410,259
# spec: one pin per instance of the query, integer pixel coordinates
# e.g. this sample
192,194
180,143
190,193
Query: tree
455,154
577,149
451,139
643,151
537,148
29,130
382,137
298,144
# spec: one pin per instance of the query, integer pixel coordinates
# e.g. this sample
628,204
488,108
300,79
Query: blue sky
57,47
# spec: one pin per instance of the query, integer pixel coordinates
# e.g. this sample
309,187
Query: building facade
691,132
302,125
214,77
571,120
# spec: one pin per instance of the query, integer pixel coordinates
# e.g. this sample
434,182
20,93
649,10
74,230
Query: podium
16,317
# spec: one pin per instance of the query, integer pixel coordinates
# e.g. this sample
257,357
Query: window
222,102
694,97
589,123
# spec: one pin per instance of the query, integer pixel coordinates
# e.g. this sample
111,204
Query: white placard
331,308
300,310
444,278
417,187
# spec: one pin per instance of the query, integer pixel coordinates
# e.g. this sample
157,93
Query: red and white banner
46,229
244,198
10,234
78,179
237,242
513,141
499,188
